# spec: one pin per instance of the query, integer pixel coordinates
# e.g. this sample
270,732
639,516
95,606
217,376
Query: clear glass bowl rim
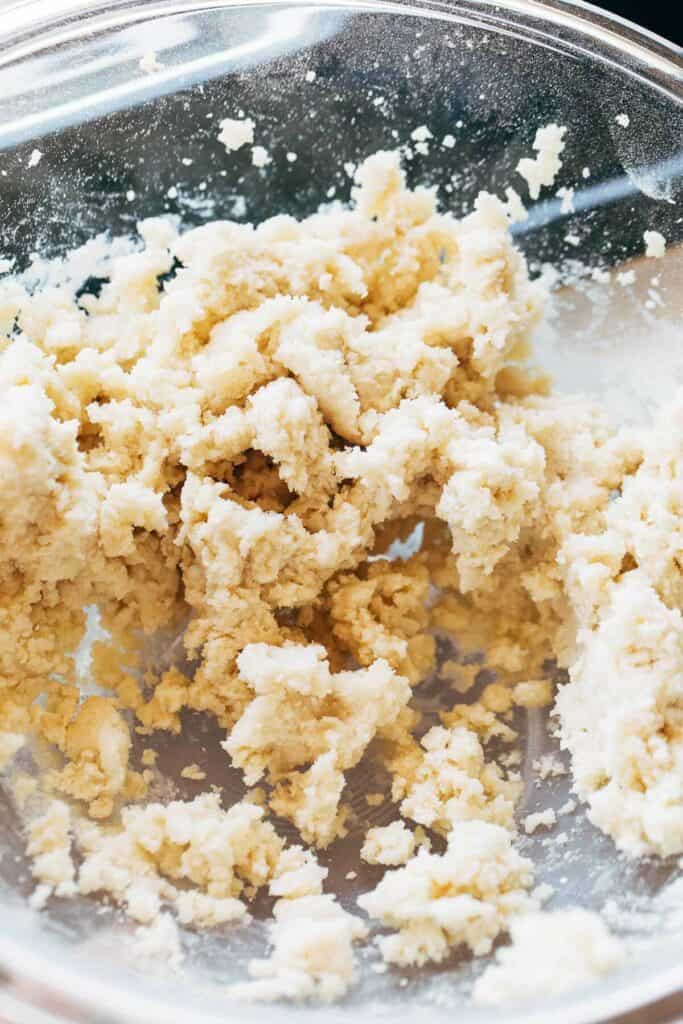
29,25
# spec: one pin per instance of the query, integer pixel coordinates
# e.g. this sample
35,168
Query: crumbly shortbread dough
312,954
449,781
302,714
551,953
466,895
192,856
227,443
621,719
49,846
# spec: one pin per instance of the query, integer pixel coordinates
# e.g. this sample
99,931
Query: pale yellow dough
312,956
230,458
392,845
465,896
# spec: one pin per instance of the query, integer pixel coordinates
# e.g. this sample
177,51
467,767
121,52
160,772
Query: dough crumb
551,953
49,846
236,132
438,901
312,956
534,693
421,134
260,156
623,120
542,170
539,819
655,244
567,197
391,845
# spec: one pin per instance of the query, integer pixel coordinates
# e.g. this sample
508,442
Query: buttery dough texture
392,845
312,954
228,443
466,895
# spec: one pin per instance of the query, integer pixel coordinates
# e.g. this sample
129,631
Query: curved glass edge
40,998
23,22
28,33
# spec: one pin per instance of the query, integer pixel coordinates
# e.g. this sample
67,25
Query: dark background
662,16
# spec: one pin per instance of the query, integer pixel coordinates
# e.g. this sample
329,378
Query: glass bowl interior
333,83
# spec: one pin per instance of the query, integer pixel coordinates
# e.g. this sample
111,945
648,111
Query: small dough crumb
260,156
544,168
236,132
655,244
567,197
421,134
539,819
391,845
534,693
49,846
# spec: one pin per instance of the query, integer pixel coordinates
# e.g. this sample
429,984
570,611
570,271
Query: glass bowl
333,82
